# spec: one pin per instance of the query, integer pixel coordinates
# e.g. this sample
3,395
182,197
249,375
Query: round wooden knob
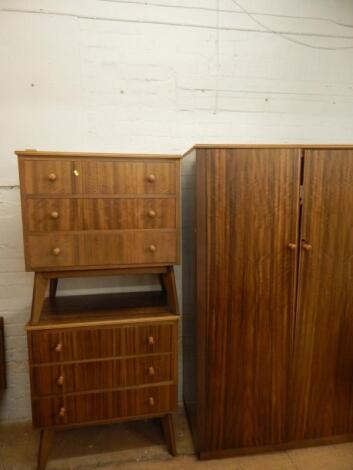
151,178
54,215
60,380
151,401
307,246
52,177
152,248
56,251
292,246
62,412
150,340
151,371
58,347
152,214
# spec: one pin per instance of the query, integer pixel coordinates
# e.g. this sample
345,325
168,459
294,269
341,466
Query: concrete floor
140,446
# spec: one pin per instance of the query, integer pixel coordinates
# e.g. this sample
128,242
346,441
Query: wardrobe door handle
307,246
292,246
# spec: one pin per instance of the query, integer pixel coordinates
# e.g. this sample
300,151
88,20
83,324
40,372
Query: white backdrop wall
157,76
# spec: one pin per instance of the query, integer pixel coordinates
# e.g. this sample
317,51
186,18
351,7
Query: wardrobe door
247,210
322,378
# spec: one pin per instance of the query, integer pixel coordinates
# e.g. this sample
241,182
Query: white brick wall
147,76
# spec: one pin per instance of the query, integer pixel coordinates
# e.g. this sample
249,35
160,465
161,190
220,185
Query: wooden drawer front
100,177
103,406
96,343
50,177
48,215
102,248
129,213
98,375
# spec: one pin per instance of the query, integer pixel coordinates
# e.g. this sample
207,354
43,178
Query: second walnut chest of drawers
99,210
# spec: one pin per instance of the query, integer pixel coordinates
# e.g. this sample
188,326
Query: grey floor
140,446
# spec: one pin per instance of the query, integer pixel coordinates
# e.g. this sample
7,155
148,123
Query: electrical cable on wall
284,36
264,28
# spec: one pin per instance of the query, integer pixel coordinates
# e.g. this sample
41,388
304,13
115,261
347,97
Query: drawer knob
292,246
151,340
76,173
151,178
56,251
60,380
151,401
62,412
52,177
59,347
152,248
307,247
151,371
152,214
54,215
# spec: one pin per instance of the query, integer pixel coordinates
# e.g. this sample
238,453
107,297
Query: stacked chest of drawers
102,358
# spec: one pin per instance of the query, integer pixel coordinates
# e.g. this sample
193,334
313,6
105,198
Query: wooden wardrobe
268,296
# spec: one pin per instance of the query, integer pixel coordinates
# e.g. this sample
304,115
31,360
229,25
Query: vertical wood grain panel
2,356
322,378
100,177
102,248
35,176
251,210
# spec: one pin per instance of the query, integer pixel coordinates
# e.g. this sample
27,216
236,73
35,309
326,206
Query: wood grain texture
119,309
267,146
169,432
102,374
39,154
60,214
40,287
100,342
103,358
35,177
65,177
100,177
92,407
102,248
63,195
191,340
2,356
45,443
245,293
322,378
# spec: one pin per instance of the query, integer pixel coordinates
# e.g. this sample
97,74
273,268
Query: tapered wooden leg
53,287
39,290
46,439
168,428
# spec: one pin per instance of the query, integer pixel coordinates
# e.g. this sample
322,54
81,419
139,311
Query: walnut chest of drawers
105,357
91,211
